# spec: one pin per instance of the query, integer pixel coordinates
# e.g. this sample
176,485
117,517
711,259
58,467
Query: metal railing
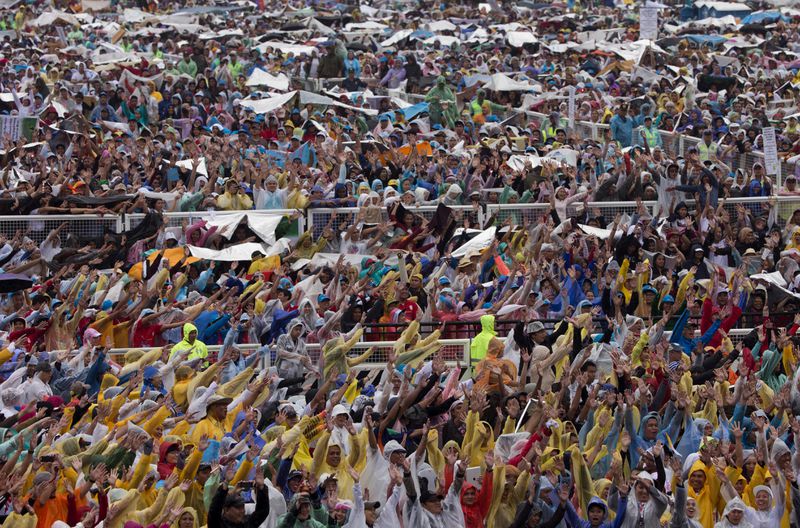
38,227
453,351
677,144
317,219
534,212
177,219
88,226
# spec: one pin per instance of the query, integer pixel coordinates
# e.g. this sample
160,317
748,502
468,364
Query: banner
648,23
771,163
95,5
571,107
261,78
129,80
229,254
16,127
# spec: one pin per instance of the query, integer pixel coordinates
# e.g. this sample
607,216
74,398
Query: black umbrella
357,46
706,82
748,29
11,282
295,26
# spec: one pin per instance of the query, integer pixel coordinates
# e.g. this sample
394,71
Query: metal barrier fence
181,219
453,351
535,212
469,329
677,144
318,218
38,227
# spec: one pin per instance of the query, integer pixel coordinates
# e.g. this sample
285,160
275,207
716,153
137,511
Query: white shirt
36,390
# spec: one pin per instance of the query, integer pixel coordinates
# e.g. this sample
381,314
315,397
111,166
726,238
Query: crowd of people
631,369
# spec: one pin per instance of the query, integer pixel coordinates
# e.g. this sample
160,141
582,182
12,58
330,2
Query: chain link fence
85,227
452,351
532,213
187,219
38,227
318,219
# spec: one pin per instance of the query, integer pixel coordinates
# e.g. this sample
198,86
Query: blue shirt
622,130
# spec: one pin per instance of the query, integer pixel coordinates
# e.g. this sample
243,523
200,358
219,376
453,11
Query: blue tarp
421,34
762,17
409,113
715,40
306,153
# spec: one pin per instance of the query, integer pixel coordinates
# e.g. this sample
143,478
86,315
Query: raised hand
676,464
353,474
171,481
657,449
395,475
563,493
736,430
489,458
99,474
623,488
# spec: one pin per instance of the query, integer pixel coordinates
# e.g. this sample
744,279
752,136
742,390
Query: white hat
338,410
649,477
325,477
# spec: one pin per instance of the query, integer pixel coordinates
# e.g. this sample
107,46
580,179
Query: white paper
771,163
368,27
519,38
170,198
602,234
285,47
187,164
264,225
264,106
226,223
773,278
300,264
500,82
229,254
317,99
50,17
220,34
564,155
261,78
444,40
482,240
330,259
95,5
396,37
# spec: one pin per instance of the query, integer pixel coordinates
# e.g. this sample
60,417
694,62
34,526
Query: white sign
571,107
648,23
17,126
771,163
